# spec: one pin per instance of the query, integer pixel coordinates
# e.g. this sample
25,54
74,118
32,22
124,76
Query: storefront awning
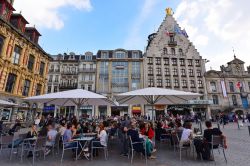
136,110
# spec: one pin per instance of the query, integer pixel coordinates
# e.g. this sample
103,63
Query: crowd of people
126,129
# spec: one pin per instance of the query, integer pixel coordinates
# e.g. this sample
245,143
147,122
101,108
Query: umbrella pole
77,112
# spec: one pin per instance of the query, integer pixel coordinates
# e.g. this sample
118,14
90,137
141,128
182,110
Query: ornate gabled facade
229,88
23,63
172,61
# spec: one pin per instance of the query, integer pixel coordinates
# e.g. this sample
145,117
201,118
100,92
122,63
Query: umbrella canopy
4,103
76,97
155,96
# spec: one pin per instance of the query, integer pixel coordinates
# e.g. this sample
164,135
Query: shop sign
160,107
205,102
48,108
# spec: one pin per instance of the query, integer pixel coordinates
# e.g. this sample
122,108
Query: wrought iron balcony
67,86
172,43
87,70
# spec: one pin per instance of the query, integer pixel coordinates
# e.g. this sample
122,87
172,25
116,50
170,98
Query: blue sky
88,25
108,25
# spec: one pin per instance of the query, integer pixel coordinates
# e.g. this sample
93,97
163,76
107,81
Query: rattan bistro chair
105,148
34,146
217,141
132,150
177,146
67,147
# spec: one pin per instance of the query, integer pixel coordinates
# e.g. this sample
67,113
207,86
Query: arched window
165,51
180,52
215,99
172,51
1,43
234,99
213,86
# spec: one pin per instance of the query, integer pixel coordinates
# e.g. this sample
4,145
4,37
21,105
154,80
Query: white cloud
46,13
201,40
134,39
217,26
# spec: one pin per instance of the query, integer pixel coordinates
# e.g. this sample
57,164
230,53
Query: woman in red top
148,131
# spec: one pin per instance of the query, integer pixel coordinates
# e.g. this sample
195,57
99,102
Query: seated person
74,130
133,133
187,135
51,136
84,128
32,134
62,129
101,138
148,131
16,126
67,137
203,147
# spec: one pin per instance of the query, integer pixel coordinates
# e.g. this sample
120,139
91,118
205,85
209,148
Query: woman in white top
187,134
101,140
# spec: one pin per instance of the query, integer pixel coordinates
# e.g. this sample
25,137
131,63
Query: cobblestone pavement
238,153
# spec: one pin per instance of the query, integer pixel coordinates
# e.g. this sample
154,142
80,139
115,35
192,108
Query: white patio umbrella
4,103
76,97
154,96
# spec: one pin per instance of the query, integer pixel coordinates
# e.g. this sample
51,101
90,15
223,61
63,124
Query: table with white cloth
86,141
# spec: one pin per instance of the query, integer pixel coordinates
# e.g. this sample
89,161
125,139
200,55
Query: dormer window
6,9
18,21
32,34
120,55
135,55
104,55
88,57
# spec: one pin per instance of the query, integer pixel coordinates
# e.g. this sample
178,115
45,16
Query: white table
87,140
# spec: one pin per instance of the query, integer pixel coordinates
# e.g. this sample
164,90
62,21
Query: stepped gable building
172,61
229,88
71,71
118,71
23,63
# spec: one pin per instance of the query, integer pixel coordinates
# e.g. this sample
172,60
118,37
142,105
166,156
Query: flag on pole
184,33
177,30
167,33
223,87
239,84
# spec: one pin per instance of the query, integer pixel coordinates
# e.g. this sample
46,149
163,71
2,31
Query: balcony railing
54,70
69,72
135,75
172,43
87,70
67,86
116,84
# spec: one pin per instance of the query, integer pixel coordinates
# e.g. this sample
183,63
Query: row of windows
215,99
174,61
176,83
120,55
11,81
16,57
174,71
172,51
231,85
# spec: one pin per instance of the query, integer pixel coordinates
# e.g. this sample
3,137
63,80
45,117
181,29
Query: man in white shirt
187,134
51,138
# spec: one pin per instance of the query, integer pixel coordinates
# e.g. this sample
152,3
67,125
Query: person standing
123,135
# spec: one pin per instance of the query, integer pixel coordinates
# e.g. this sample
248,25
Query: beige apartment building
118,71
